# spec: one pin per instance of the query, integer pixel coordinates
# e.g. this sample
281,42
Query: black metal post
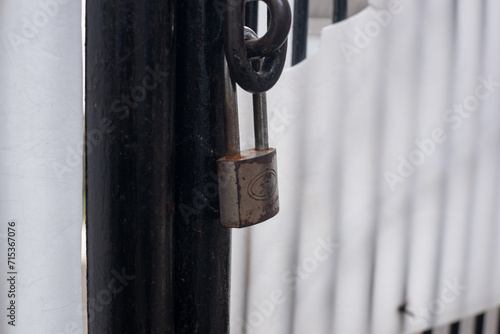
479,324
252,15
339,10
130,206
498,322
455,328
202,245
300,20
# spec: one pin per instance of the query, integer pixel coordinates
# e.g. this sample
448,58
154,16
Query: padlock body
248,188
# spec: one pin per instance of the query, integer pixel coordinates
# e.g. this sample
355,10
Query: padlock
248,180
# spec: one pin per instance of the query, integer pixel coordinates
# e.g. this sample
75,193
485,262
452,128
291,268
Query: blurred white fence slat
441,330
467,326
491,322
41,163
389,166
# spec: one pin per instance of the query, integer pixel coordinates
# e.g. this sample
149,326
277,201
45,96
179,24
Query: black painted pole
130,65
300,20
202,245
252,15
339,10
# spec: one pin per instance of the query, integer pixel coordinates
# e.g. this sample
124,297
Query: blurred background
387,136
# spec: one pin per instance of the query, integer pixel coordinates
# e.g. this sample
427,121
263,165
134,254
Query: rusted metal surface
248,181
248,188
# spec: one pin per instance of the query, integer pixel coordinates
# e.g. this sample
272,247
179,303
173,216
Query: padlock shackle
259,104
260,121
231,123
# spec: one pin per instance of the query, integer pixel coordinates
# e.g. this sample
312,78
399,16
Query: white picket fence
388,146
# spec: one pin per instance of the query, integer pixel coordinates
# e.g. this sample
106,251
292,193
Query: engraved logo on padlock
248,180
264,185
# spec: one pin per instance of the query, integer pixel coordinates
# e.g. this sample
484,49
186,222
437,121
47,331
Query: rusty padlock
248,180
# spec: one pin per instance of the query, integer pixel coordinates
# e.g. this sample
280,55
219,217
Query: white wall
41,130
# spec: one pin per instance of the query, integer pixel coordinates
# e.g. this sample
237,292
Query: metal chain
271,48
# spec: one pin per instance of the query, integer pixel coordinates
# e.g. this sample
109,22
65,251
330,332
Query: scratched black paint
130,67
202,245
140,173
